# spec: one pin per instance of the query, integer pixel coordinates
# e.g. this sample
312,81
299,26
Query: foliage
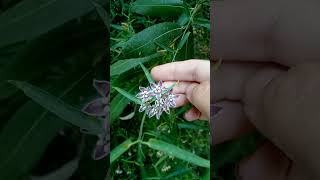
228,154
59,47
153,32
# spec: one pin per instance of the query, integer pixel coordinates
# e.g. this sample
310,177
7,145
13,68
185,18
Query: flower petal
101,151
158,114
142,108
95,108
143,88
102,87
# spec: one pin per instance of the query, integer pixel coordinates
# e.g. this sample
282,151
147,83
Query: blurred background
59,46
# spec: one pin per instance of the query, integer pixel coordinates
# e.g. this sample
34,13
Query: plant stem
140,152
194,12
141,128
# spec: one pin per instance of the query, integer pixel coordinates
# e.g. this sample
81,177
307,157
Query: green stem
140,152
194,12
141,127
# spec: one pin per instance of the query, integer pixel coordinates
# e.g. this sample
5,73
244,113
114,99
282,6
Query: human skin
193,85
269,81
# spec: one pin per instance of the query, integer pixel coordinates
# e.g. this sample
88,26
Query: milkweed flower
156,99
99,108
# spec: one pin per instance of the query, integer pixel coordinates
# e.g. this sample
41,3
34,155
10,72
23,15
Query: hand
270,81
193,86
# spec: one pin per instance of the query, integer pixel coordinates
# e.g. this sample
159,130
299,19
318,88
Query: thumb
199,96
284,106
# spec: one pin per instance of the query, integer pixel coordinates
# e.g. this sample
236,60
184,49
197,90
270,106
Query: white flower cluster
156,99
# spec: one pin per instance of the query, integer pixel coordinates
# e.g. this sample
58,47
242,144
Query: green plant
143,147
59,47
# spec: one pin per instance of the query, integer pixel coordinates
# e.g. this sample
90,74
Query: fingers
287,38
199,96
249,39
180,87
286,110
230,122
254,90
229,80
192,114
190,70
181,100
268,162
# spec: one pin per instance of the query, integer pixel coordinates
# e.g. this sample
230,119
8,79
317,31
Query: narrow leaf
206,175
59,108
232,152
187,51
177,152
202,22
147,73
191,126
125,65
184,18
142,43
178,172
119,150
21,136
159,8
183,40
164,47
118,104
128,95
103,14
63,173
41,54
38,17
128,117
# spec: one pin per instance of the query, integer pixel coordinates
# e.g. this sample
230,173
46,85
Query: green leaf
64,172
187,51
184,18
235,150
183,40
41,54
202,22
88,167
178,172
38,17
147,73
59,108
103,14
159,8
125,65
118,104
142,43
29,131
164,47
25,138
206,175
191,126
128,95
119,150
177,152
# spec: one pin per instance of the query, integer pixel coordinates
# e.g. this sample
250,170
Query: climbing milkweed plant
149,139
99,108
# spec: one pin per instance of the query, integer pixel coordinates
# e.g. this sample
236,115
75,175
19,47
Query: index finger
190,70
